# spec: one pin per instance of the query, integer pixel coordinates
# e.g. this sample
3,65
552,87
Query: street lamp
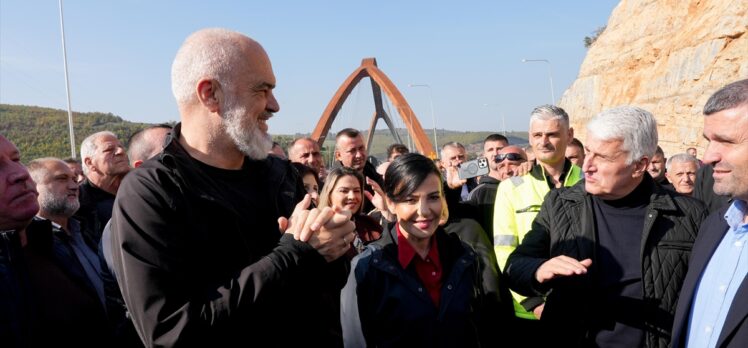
433,118
67,84
503,121
550,75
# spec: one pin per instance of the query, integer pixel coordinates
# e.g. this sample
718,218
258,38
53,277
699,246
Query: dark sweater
619,224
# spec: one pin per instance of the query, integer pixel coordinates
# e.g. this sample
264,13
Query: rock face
666,56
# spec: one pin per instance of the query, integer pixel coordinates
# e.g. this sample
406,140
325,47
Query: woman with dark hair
418,285
344,190
311,182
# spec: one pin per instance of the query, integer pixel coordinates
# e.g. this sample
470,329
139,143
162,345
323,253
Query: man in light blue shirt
713,306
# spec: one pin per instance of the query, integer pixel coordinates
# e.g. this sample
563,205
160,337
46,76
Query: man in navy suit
712,310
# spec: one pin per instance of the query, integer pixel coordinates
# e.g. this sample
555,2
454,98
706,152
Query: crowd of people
209,234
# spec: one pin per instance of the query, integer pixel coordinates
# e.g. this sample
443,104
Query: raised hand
561,266
377,199
453,178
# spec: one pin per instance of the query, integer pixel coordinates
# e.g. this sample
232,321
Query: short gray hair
635,126
88,147
291,149
37,167
453,144
727,97
550,112
681,158
206,54
141,147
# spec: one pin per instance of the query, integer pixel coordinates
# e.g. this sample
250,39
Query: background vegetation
40,132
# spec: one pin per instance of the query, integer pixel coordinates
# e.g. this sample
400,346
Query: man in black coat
611,252
197,231
713,311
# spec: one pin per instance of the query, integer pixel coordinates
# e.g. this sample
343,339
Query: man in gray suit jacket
712,310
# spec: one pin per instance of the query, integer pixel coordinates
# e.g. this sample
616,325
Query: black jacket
566,226
483,198
94,212
45,297
194,272
384,305
735,330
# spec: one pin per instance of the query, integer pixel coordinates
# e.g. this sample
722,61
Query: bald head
223,83
213,54
146,143
511,158
306,151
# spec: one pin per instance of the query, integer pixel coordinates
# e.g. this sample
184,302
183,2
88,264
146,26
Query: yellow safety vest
518,201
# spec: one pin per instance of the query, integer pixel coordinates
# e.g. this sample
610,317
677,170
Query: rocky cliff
667,56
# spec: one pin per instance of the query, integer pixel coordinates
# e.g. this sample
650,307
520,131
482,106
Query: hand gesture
377,199
453,178
330,232
561,266
524,168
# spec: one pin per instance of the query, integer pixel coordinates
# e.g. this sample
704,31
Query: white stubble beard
250,140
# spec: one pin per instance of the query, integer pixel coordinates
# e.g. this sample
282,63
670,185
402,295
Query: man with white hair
195,232
105,165
611,252
452,155
681,172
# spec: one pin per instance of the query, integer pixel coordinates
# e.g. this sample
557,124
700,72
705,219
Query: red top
429,269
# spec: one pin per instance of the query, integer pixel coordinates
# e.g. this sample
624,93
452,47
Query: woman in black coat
418,285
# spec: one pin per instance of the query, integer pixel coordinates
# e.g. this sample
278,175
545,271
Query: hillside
40,132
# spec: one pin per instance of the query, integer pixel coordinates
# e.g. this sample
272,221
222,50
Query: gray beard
250,140
58,206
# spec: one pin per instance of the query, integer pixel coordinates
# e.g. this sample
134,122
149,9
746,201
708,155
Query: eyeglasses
509,156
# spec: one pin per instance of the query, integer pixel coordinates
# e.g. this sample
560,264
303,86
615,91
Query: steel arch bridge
379,82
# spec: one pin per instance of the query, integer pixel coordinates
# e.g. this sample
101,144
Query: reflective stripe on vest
505,240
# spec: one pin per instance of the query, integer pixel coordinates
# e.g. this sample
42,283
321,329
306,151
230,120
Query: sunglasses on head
509,156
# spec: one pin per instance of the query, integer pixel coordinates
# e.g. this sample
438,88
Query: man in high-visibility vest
518,199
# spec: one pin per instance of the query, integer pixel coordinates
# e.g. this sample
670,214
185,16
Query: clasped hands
325,229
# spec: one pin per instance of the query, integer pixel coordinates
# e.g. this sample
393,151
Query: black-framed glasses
512,156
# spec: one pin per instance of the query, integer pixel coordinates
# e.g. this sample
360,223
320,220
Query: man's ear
640,166
88,163
571,133
337,155
137,163
209,94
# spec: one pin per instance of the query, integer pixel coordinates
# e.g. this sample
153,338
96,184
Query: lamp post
67,84
503,121
550,75
433,118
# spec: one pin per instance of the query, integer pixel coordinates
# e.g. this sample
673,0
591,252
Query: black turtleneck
619,225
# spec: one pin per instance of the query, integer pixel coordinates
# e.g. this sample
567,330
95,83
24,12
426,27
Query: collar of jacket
176,159
487,179
39,235
538,171
660,199
449,250
456,260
